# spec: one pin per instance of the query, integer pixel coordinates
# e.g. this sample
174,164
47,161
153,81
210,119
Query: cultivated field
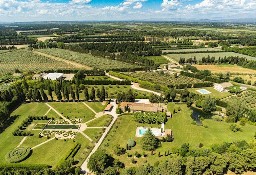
192,50
225,69
87,59
247,97
163,79
25,60
249,77
199,56
158,59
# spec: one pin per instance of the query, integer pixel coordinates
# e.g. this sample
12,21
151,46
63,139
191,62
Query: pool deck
203,91
155,131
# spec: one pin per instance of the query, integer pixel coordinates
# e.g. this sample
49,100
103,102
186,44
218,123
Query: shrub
134,161
243,122
18,154
118,150
169,138
131,143
137,154
235,127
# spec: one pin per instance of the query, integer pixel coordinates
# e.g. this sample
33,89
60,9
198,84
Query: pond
196,117
61,127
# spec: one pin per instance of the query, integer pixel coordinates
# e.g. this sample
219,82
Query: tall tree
92,95
77,93
49,89
149,141
86,94
103,94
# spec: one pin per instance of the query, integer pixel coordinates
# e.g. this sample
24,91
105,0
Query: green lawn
50,153
101,122
158,59
7,141
96,106
214,93
94,133
73,110
216,132
84,151
183,131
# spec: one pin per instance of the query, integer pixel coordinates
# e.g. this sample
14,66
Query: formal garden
35,136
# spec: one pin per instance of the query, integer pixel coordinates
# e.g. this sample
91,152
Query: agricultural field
248,77
214,93
192,50
98,78
199,56
248,97
25,60
163,79
158,59
234,69
44,148
87,59
184,131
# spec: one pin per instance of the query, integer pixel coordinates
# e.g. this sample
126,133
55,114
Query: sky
123,10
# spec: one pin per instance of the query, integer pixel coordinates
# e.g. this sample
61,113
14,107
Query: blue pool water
143,131
155,131
203,91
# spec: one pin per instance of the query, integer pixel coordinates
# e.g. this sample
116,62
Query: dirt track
77,65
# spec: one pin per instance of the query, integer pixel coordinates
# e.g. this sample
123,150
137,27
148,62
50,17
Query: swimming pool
142,130
203,91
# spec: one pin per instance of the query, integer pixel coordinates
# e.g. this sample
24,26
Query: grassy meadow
184,131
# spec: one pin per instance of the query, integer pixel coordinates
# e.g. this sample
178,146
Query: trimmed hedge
18,154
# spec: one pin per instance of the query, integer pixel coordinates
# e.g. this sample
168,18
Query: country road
135,86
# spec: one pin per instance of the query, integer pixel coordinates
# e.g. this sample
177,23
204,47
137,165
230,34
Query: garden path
59,114
22,141
84,166
135,86
43,143
90,108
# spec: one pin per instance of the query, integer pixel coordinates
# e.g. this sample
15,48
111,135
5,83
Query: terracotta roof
108,107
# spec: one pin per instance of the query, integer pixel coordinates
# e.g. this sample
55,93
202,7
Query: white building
222,87
53,76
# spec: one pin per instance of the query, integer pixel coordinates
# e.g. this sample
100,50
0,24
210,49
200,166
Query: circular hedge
18,154
131,143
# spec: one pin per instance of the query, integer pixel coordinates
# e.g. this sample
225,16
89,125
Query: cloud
138,5
81,1
224,8
169,4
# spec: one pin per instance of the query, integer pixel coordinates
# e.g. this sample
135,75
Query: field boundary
77,65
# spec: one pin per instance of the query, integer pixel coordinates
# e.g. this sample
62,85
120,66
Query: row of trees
214,60
98,38
205,75
150,117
